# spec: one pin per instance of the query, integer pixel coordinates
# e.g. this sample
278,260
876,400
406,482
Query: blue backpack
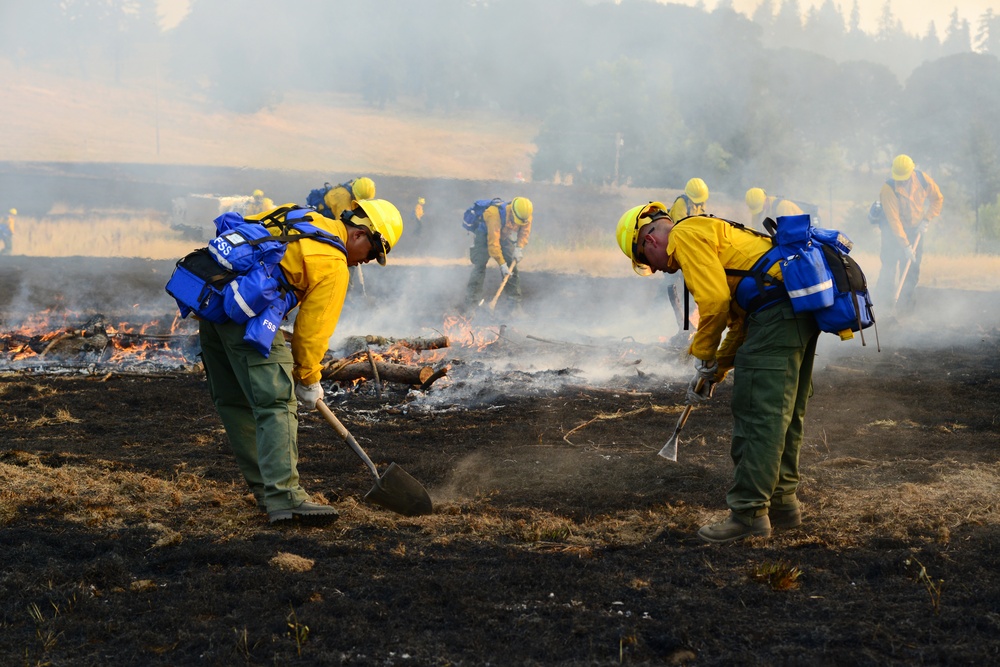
316,196
818,276
237,278
473,216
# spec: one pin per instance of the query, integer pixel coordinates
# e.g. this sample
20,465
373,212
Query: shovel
396,490
503,283
906,269
669,450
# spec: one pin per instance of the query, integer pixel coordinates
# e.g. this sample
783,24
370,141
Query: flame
46,335
460,331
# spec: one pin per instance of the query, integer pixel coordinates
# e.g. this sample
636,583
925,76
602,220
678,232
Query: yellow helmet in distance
627,231
421,201
13,211
696,190
384,221
755,198
902,168
258,193
522,208
363,188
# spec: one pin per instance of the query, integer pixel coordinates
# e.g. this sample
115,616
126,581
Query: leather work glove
518,253
910,254
308,394
923,227
703,370
504,270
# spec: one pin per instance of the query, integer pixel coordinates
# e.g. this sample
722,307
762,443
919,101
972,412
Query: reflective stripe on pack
813,289
244,306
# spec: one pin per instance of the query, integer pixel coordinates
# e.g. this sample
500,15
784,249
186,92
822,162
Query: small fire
461,332
48,338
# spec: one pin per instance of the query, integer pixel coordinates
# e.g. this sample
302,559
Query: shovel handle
503,283
906,269
345,435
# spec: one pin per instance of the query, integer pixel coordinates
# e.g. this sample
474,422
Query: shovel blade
398,492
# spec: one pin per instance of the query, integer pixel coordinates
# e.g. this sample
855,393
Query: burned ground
558,536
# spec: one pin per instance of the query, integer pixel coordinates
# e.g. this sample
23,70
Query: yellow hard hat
258,193
13,211
696,190
384,220
522,208
627,231
420,200
902,168
755,200
363,188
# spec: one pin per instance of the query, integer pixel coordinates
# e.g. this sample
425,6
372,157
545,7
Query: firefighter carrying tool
772,351
257,395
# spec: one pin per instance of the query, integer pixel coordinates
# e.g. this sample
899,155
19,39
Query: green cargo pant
479,253
255,398
773,383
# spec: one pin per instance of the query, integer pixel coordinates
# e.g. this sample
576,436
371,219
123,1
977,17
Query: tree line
635,92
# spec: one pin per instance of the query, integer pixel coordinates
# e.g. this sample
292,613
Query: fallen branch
602,417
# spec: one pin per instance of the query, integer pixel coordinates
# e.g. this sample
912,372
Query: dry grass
61,118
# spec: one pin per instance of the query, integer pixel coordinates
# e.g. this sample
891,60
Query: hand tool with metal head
906,269
503,283
669,450
394,490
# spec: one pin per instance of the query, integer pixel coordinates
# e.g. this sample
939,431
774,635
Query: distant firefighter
333,200
910,200
7,232
501,232
418,216
258,203
693,201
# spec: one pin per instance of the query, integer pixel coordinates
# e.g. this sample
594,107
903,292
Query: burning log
387,371
359,343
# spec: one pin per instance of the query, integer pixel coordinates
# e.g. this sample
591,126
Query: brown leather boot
733,528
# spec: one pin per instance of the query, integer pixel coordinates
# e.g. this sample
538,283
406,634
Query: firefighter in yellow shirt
501,235
763,206
7,232
342,197
258,203
770,346
910,200
257,397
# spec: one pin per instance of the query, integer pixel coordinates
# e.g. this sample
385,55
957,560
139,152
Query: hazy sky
916,15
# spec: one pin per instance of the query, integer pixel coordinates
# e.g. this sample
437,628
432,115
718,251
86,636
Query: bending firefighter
333,201
763,206
770,347
501,232
910,200
691,202
255,394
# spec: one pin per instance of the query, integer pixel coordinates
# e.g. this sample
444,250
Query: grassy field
147,234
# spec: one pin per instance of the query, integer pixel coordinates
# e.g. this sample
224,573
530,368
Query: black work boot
307,510
733,528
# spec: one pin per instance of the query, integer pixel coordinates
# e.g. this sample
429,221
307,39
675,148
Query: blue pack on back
472,219
237,277
818,274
